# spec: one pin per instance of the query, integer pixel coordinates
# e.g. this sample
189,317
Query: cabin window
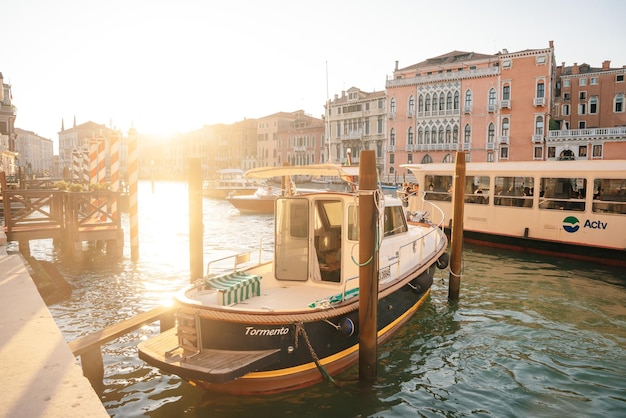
292,243
609,195
562,193
477,190
353,223
438,187
514,191
328,217
395,222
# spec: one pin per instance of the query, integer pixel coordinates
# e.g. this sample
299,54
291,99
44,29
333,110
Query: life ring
443,261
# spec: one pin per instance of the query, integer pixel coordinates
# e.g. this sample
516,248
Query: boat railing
240,261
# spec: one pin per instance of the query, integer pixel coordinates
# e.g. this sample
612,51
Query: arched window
428,102
449,101
411,104
467,138
449,158
456,100
440,136
427,136
539,125
420,104
492,97
392,105
540,89
427,159
618,105
448,134
467,104
420,136
491,133
409,136
506,92
435,102
392,137
455,135
505,126
441,102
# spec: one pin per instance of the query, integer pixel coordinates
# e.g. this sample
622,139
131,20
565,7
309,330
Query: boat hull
596,254
253,204
224,193
285,354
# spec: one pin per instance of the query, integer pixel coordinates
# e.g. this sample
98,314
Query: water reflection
530,336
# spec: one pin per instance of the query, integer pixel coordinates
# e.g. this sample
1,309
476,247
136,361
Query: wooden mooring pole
368,270
196,228
456,241
133,209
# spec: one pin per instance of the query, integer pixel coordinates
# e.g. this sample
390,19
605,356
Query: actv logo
571,224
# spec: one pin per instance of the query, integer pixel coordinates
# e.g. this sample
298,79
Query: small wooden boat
229,182
290,322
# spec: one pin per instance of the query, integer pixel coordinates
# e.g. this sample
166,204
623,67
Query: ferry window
395,222
609,195
514,191
562,193
477,190
438,187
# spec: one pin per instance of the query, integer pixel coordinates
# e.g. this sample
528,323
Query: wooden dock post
133,211
368,268
196,228
456,242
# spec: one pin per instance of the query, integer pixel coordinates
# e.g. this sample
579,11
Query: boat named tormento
290,322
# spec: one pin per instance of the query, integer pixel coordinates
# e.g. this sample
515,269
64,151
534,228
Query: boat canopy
345,172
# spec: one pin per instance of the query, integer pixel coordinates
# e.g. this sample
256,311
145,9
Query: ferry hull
602,255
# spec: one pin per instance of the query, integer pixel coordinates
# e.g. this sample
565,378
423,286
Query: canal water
531,335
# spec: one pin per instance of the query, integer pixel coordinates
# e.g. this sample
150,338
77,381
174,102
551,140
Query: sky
164,67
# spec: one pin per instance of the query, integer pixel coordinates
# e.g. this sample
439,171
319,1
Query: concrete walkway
39,376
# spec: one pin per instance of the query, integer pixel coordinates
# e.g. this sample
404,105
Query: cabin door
292,239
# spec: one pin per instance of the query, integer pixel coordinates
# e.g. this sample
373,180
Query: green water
531,336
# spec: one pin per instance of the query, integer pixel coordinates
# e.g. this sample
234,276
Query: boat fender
346,326
443,261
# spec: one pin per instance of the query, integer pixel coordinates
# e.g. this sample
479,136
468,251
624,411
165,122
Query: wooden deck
213,366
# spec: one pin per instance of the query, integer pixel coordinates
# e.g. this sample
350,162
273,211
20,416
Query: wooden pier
69,218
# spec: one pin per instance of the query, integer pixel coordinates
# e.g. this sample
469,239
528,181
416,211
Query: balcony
391,148
539,101
410,113
391,115
467,109
491,108
504,139
505,104
618,134
466,146
490,146
537,139
409,147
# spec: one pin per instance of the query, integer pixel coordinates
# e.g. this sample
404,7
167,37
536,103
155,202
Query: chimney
606,65
396,69
575,68
551,44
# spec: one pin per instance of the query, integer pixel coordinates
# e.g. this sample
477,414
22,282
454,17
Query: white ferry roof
308,170
528,167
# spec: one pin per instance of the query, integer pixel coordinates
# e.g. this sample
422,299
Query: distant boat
229,182
575,209
261,201
289,323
